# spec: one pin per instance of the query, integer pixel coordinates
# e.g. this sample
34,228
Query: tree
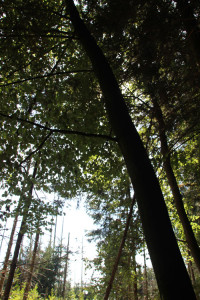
151,206
48,106
19,239
115,266
5,265
190,237
48,271
28,283
187,15
65,269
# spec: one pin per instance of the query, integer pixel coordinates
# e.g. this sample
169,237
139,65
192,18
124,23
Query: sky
77,223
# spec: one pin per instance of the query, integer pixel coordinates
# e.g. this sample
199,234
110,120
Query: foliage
48,270
52,112
17,293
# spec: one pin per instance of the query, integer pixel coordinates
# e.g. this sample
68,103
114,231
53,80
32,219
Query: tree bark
191,26
191,270
114,270
19,241
65,270
146,294
29,279
135,286
5,266
4,229
178,200
171,274
55,229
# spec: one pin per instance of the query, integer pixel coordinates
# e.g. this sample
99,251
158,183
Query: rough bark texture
171,274
189,234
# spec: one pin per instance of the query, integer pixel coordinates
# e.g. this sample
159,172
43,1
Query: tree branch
63,131
116,263
44,76
37,149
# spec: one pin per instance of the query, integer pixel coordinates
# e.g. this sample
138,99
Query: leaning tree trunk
115,266
29,279
5,265
191,271
178,200
19,241
171,274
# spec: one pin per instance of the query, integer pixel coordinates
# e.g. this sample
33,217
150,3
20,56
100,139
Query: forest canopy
101,99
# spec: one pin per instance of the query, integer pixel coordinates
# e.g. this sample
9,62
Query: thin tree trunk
59,287
29,279
19,241
51,232
162,245
178,200
66,269
4,229
11,239
191,26
146,294
115,266
82,266
135,286
5,266
55,228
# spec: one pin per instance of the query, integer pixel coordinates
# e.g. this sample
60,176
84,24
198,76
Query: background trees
52,110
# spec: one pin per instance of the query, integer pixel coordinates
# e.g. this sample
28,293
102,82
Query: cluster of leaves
52,111
17,293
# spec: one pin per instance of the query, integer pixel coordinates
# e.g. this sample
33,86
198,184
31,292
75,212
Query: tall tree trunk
178,200
65,269
55,229
60,282
191,26
162,245
4,229
19,241
82,266
5,265
146,294
51,232
30,275
191,270
135,286
115,266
